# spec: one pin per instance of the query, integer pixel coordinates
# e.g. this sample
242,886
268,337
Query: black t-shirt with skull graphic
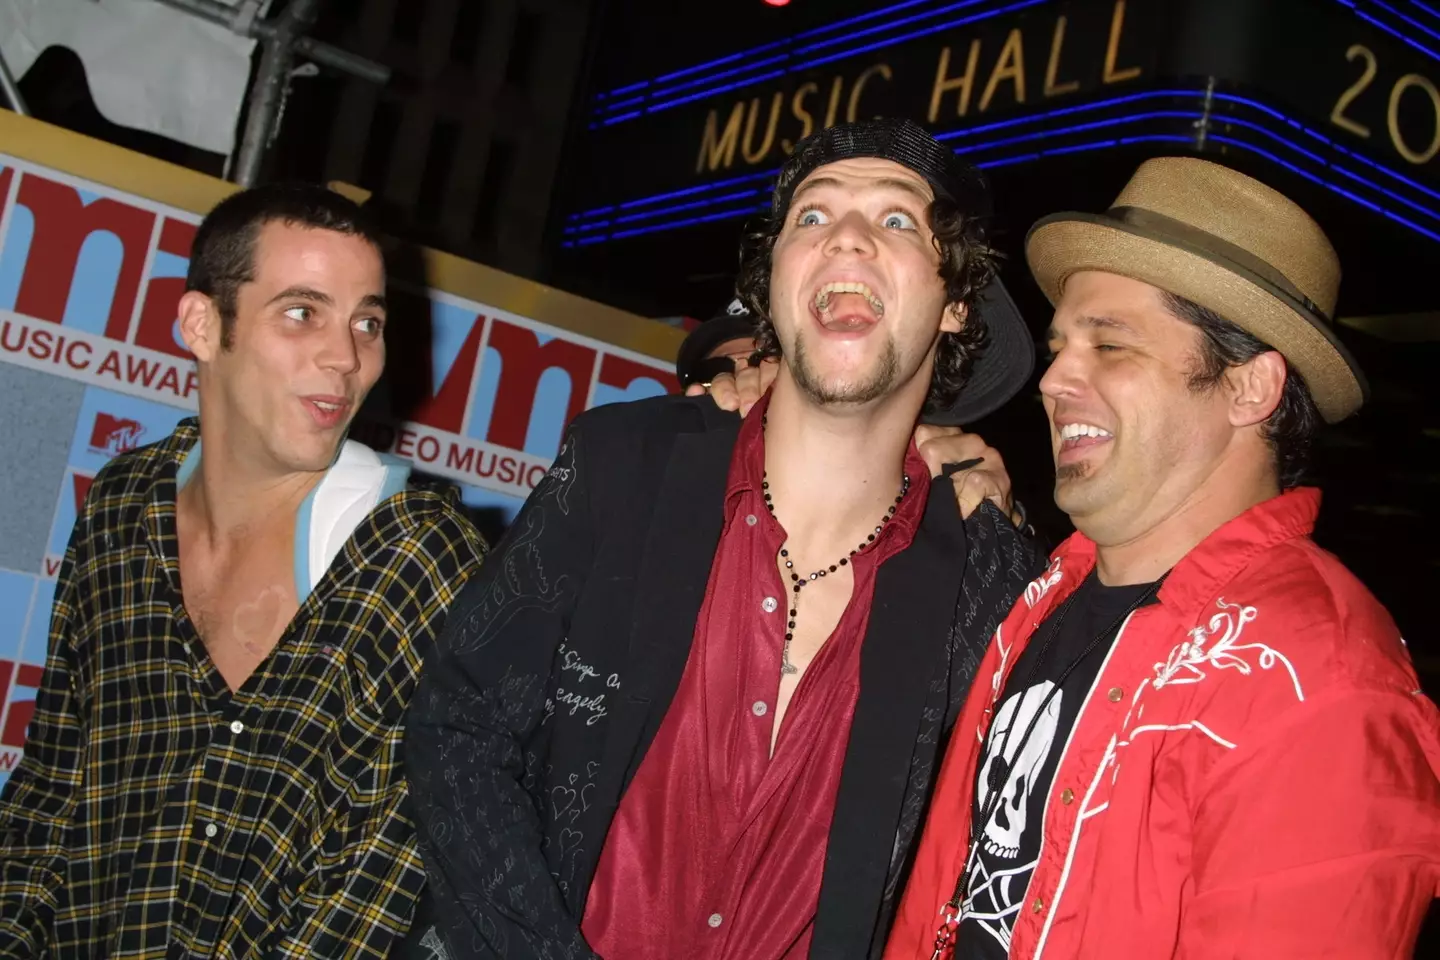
1022,772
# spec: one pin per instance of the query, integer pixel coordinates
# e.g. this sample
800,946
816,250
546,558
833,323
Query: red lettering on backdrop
619,372
82,487
445,409
162,295
21,711
522,362
6,173
63,222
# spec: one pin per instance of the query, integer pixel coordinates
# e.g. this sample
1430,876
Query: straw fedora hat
1229,243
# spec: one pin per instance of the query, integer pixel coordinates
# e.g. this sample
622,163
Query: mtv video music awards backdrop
91,366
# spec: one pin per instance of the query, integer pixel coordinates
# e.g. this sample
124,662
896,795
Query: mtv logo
115,435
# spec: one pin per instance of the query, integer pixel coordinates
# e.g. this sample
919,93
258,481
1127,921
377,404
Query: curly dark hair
967,264
1290,430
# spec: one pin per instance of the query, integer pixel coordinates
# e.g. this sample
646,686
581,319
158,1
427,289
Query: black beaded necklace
797,580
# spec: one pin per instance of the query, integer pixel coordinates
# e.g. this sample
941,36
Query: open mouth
327,412
847,306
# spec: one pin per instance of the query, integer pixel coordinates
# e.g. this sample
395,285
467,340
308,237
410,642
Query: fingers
750,385
695,390
941,445
974,487
723,391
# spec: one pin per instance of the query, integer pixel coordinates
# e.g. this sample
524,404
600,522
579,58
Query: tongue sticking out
846,312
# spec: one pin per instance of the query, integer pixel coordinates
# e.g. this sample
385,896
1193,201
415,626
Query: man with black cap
694,706
724,344
1198,735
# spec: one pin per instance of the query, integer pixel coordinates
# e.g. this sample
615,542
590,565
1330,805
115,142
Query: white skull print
1020,764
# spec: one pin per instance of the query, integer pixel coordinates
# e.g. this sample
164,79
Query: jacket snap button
1115,694
1067,796
1037,906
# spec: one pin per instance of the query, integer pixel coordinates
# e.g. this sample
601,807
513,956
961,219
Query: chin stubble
879,385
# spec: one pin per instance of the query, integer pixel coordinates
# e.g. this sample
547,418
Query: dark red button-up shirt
717,849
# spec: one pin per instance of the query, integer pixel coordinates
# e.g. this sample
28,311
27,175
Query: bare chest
240,604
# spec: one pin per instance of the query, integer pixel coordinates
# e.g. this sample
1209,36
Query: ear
1255,388
953,319
200,325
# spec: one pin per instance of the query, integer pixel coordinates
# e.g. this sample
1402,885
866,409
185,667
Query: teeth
822,296
1072,431
327,407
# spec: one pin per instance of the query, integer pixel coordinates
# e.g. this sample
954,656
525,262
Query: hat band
1219,251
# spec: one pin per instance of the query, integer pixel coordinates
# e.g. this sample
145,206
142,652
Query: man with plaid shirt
213,767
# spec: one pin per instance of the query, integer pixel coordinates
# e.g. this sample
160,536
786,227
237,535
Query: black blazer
561,656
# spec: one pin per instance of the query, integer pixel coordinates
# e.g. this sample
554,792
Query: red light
777,3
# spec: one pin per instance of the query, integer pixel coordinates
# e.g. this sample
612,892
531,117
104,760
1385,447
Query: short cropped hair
223,254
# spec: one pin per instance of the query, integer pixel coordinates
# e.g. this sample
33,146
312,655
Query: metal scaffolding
282,41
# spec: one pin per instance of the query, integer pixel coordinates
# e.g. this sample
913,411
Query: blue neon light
889,25
721,61
1083,147
624,116
767,62
879,44
637,231
1430,10
1410,20
1388,29
620,91
751,81
731,58
860,18
1081,128
1063,111
1325,183
1077,148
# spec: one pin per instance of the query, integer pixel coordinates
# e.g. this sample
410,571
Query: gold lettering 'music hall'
967,79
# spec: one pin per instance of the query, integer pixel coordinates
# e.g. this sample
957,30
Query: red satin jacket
1254,773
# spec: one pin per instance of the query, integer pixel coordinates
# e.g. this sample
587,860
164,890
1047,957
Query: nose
851,234
339,351
1064,377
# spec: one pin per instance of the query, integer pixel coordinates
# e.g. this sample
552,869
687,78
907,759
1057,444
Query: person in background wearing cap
695,707
721,345
1197,735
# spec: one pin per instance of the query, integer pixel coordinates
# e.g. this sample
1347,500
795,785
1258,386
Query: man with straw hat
1197,734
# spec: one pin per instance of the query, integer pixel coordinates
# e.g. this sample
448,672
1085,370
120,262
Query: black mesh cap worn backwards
1004,364
901,141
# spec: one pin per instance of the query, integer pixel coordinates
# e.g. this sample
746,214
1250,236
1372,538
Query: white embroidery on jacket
1036,590
1184,665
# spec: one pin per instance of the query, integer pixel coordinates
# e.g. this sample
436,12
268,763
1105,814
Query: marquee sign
1345,93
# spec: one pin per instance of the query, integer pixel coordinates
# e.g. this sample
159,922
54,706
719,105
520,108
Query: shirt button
211,829
1115,694
1067,796
237,727
758,708
1037,906
768,604
752,520
715,920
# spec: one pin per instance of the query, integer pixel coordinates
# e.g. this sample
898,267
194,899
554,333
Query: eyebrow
893,183
303,293
373,301
1094,323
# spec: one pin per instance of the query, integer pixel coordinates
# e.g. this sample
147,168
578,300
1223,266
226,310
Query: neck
833,474
232,496
1146,557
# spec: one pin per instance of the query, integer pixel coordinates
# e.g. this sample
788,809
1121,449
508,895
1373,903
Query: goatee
880,384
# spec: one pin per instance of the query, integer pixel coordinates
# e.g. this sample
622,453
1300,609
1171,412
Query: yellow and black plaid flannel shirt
157,814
